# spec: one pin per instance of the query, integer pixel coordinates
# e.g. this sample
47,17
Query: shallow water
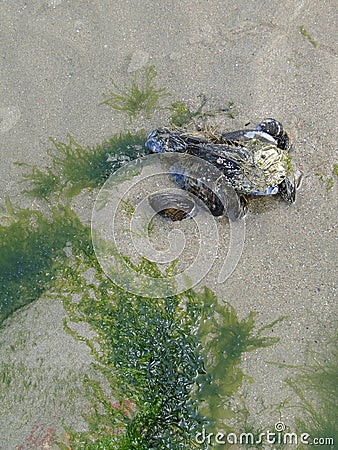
59,59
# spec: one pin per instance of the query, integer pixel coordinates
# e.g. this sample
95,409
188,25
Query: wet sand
58,59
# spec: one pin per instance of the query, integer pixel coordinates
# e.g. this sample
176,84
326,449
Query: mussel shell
211,199
174,206
272,127
164,140
289,186
275,129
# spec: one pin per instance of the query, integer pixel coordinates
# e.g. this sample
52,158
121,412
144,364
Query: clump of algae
224,339
142,95
74,167
149,355
32,248
156,356
308,37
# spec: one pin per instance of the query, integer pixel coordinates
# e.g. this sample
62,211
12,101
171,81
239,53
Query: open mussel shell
174,206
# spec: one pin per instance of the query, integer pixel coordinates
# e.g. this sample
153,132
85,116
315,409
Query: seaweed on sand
32,251
150,352
316,387
224,339
142,95
308,37
74,167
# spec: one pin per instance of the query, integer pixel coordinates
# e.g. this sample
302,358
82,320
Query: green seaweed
316,387
182,115
149,355
224,339
329,183
43,182
288,164
74,167
328,180
308,37
140,96
32,251
150,351
335,169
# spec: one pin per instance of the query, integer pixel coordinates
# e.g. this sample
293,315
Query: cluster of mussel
252,162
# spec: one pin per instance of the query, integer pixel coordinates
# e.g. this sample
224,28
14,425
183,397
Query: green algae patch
316,387
141,95
43,182
181,114
335,169
308,37
33,245
328,181
165,359
148,352
224,339
32,248
75,167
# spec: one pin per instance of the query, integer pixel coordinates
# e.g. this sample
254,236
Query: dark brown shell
174,206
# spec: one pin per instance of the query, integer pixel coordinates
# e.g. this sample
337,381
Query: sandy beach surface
58,58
